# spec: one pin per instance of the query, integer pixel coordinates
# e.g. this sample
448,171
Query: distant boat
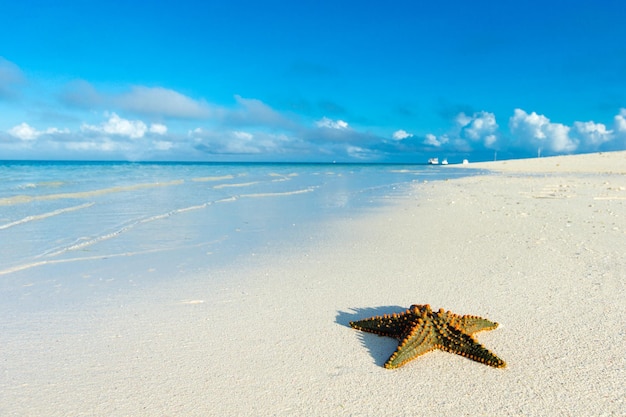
444,162
465,162
433,161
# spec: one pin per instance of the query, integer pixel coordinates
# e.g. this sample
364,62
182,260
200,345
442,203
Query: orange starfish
420,330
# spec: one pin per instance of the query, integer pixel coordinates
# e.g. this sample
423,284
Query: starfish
420,330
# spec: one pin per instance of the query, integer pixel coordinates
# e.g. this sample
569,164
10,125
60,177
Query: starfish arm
391,325
422,339
474,324
455,341
467,324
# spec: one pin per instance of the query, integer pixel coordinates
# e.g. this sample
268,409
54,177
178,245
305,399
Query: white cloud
253,112
154,101
537,131
197,131
529,125
117,126
158,128
401,134
620,121
80,93
592,134
432,140
134,129
218,142
557,135
245,136
358,152
490,141
480,126
26,132
325,122
162,102
239,142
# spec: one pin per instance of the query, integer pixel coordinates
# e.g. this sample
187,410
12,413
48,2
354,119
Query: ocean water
111,222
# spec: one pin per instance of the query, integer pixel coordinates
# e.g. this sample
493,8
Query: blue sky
361,81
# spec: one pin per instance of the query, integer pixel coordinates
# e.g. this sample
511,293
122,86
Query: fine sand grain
538,248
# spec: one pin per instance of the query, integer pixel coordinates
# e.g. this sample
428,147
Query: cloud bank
253,129
141,122
528,133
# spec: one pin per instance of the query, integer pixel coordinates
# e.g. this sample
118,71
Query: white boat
444,162
433,161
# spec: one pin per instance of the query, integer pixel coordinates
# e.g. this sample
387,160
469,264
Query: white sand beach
535,245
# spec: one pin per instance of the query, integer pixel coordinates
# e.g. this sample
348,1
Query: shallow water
63,221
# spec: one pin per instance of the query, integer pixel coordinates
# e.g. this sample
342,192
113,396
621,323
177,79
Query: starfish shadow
379,347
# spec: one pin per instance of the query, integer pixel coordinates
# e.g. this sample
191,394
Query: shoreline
594,163
539,254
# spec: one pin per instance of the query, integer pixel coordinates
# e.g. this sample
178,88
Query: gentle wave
45,215
406,171
90,242
124,229
30,265
261,195
22,199
209,179
278,194
282,177
41,184
131,225
227,199
239,184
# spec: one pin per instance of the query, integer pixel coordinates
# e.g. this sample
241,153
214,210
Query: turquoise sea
68,222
